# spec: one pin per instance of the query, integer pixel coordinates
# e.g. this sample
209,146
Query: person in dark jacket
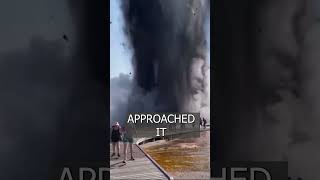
204,123
115,138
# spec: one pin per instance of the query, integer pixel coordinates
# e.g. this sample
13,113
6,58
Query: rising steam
283,122
169,47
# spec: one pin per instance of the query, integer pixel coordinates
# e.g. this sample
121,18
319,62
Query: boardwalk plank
140,168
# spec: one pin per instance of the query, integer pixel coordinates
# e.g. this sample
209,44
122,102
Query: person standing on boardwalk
127,134
204,123
115,138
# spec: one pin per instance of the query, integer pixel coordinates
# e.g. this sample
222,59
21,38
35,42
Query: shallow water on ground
183,157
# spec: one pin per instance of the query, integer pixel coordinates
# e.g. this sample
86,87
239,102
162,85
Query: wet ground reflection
184,157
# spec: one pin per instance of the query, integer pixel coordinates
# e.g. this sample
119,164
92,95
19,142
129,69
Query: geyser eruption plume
169,46
271,113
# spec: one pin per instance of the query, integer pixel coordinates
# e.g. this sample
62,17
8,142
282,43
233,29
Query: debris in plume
65,37
169,53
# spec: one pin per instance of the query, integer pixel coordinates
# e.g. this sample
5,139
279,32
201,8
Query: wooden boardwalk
140,168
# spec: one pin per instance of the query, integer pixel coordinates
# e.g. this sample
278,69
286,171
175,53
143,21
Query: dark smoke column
167,39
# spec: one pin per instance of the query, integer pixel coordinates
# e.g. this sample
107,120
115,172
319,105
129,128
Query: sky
120,55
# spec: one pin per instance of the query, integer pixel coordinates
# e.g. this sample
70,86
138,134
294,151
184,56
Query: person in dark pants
115,138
